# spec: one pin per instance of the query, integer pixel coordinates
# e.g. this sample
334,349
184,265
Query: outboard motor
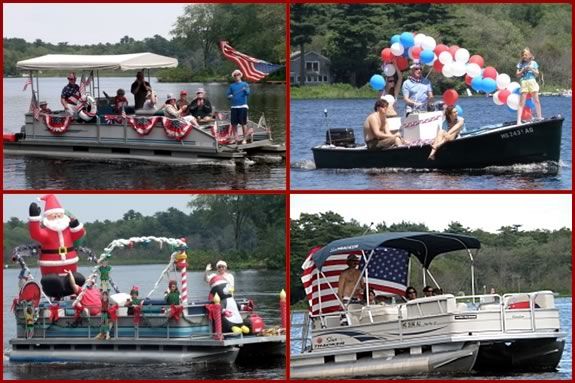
340,137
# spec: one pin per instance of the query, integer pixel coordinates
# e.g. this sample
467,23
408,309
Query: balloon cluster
450,61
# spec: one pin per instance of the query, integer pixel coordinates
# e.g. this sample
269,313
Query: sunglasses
390,80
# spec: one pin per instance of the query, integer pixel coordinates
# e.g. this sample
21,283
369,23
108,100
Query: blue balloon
377,82
477,84
517,90
489,85
394,39
530,104
406,39
426,56
459,110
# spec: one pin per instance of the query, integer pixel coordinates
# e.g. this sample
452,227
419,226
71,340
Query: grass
332,91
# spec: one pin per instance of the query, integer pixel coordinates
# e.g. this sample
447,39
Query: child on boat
105,324
29,318
104,270
120,101
527,71
134,300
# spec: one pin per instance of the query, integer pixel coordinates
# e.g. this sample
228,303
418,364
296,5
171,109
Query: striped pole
184,296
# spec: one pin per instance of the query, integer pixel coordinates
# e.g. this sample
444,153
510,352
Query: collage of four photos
305,191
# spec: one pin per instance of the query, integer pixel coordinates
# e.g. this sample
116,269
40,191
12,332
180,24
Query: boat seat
379,313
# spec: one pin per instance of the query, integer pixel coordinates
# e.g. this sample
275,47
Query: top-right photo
431,97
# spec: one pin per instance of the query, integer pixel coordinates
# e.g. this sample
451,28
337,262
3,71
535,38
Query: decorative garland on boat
222,134
57,124
112,119
142,125
177,128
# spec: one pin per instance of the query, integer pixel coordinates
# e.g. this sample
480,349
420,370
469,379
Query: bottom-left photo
144,286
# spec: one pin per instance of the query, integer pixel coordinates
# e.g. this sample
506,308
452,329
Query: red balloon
401,62
450,96
476,59
440,48
468,80
386,55
437,66
503,94
526,115
415,52
490,72
452,50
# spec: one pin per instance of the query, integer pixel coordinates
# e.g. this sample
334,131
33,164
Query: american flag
252,68
28,82
34,107
386,274
85,82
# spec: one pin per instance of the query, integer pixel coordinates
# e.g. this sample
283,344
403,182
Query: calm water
39,173
564,370
263,287
308,127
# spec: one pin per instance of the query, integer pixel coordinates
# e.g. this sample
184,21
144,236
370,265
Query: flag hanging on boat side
28,82
34,107
252,68
386,275
85,82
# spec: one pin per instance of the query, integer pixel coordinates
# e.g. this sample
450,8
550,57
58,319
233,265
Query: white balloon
503,80
458,68
447,70
397,49
512,86
462,55
409,52
429,43
445,57
496,99
473,70
389,70
419,39
389,98
513,101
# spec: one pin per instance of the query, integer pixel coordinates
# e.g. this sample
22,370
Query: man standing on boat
238,93
140,89
348,279
376,130
70,95
416,90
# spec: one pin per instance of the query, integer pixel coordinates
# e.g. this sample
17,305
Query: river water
40,173
261,286
564,370
308,126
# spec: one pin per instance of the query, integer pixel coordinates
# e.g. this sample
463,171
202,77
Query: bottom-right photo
397,286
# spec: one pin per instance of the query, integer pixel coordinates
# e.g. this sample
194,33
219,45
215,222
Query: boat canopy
132,61
424,246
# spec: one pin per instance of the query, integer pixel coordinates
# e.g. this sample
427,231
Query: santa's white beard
57,224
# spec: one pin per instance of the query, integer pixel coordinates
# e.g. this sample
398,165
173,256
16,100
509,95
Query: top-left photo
149,97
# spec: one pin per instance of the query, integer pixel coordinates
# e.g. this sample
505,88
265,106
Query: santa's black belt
58,251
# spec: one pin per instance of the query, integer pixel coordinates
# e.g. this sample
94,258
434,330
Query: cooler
421,126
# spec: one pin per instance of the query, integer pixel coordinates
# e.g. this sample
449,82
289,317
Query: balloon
397,49
394,39
496,99
447,71
476,59
468,80
418,39
388,70
389,98
406,39
477,84
489,85
459,110
377,82
517,91
526,115
452,50
458,68
462,55
503,80
428,43
440,48
473,70
512,86
414,53
426,56
513,101
450,96
530,104
503,94
490,72
386,55
445,57
437,66
402,63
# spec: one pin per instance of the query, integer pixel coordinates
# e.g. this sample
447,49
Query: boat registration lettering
464,317
515,133
417,323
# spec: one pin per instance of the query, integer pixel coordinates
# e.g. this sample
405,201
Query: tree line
353,35
246,231
509,260
255,29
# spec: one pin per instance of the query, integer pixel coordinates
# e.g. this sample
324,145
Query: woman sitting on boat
391,91
449,131
172,111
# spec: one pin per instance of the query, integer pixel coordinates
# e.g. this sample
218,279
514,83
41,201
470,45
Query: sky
92,207
476,211
89,23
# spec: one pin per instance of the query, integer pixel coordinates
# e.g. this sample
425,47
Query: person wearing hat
416,90
70,94
201,107
171,110
139,89
222,271
44,107
348,288
238,93
183,100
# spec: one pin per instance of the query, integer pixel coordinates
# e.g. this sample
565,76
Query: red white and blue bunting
176,128
57,124
112,119
142,125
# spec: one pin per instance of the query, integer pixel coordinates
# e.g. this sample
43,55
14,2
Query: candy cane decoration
184,274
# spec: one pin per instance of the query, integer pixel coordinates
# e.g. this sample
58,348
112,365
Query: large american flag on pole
85,82
252,68
386,274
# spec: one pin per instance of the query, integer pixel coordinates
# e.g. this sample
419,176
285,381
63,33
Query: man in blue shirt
70,95
416,90
238,94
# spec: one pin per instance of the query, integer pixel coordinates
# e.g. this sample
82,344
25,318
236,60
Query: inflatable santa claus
56,233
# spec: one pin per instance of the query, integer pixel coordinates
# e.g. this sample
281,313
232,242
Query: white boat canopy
132,61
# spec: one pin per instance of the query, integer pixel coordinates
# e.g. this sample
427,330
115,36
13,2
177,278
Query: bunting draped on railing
177,128
142,125
57,124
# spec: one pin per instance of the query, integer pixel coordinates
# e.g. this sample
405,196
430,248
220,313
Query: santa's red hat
52,205
216,280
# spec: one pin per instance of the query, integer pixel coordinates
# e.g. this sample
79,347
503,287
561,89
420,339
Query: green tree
302,28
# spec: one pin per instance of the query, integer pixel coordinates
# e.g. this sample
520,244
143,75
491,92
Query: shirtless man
347,280
376,130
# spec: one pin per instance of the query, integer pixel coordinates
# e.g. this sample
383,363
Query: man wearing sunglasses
417,92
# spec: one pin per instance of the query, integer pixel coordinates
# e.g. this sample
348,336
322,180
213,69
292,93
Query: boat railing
300,331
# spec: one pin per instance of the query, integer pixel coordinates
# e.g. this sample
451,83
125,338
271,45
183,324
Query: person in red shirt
120,101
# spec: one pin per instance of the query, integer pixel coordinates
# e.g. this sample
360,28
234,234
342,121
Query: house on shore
317,68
